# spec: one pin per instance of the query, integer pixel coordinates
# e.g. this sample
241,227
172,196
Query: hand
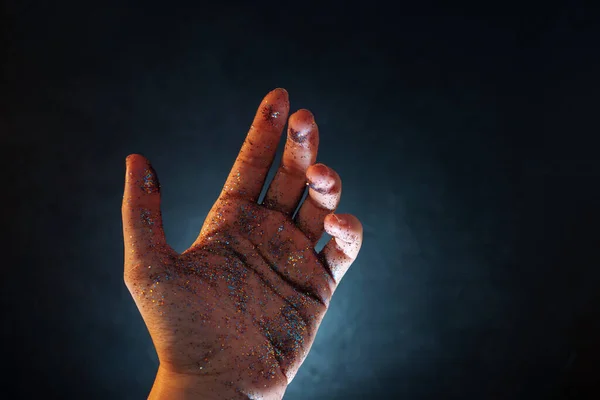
235,315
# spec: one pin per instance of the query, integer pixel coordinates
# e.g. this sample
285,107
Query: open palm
242,305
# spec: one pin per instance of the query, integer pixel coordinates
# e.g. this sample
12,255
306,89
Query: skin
234,316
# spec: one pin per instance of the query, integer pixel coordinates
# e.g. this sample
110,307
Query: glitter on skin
147,217
150,181
299,137
244,302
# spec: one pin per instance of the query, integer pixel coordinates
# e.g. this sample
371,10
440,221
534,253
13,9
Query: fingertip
302,119
319,170
278,95
274,110
280,91
135,159
302,129
141,174
129,159
323,179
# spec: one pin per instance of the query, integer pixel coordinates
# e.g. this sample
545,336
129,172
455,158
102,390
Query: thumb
142,220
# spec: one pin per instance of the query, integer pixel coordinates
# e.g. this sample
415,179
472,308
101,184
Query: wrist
176,386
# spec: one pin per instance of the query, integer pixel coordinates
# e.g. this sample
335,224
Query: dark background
466,140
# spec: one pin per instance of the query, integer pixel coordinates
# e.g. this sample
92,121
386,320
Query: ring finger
324,193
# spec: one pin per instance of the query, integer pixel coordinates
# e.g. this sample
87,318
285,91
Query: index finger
250,169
